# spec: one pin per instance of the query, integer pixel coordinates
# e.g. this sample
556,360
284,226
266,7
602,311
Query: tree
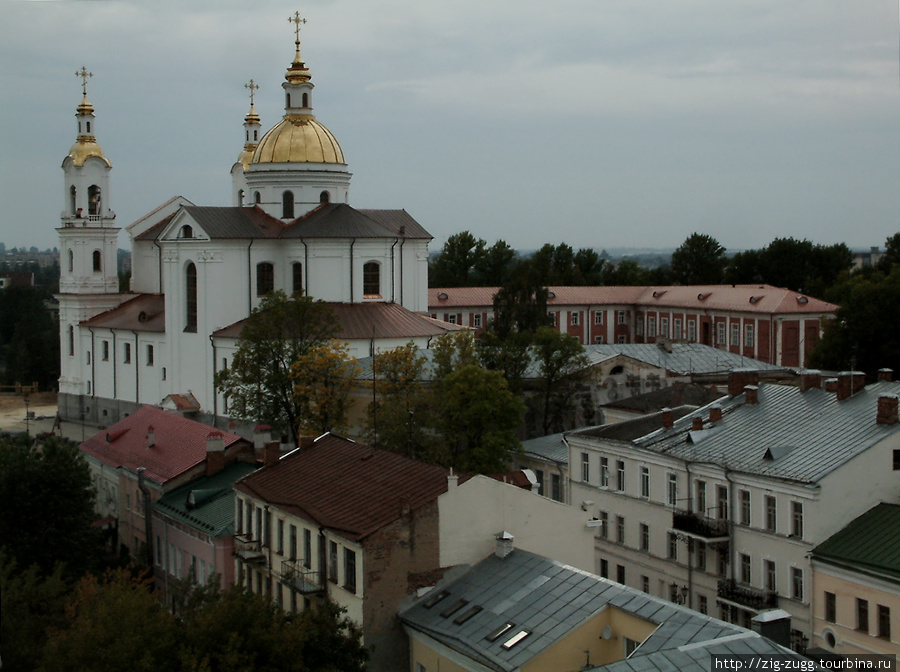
259,383
47,497
452,351
119,617
891,253
627,273
562,363
323,378
521,304
479,417
493,263
455,263
510,356
699,260
29,338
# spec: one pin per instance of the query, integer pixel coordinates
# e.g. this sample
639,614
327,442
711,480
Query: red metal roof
371,320
347,487
179,444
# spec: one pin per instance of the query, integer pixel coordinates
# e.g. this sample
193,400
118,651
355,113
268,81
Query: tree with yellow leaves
323,378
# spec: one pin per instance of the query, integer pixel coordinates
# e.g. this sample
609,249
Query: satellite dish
607,632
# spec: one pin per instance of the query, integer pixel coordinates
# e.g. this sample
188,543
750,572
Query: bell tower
88,243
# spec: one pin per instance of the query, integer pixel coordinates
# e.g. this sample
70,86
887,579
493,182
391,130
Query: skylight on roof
434,599
453,608
467,614
495,634
516,638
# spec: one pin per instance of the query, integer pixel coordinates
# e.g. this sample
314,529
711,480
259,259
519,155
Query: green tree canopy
47,497
563,364
699,260
259,383
29,338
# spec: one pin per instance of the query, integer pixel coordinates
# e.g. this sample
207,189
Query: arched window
257,198
88,127
72,205
255,135
324,197
71,261
98,263
287,99
93,200
190,292
305,100
247,136
297,277
265,278
240,196
287,205
371,280
187,231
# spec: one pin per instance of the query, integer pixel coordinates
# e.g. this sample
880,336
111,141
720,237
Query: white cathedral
198,272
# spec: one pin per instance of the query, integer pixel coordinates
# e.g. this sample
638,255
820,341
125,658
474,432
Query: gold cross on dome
253,87
296,20
84,74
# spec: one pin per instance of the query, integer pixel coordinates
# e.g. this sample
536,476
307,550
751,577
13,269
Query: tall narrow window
71,341
93,200
350,570
701,497
98,261
604,472
620,475
297,277
771,514
257,199
287,205
862,615
333,561
190,292
72,208
265,278
830,607
645,482
372,279
585,468
305,100
722,497
797,519
71,261
745,507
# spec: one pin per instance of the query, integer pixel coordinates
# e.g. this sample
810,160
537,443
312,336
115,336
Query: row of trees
801,265
66,605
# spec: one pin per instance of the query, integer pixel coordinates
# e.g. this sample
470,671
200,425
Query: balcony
710,530
744,596
302,579
249,550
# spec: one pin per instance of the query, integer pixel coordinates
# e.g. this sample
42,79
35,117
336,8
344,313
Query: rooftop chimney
738,379
715,413
262,434
774,624
306,442
215,453
696,423
452,480
887,409
831,384
885,375
668,418
849,383
504,544
271,453
151,437
751,395
809,379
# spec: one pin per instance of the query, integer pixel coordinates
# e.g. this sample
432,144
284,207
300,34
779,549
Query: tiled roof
145,312
549,600
871,543
345,486
211,508
179,443
371,320
764,299
684,359
789,434
339,220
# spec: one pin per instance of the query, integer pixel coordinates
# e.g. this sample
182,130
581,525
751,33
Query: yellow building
856,585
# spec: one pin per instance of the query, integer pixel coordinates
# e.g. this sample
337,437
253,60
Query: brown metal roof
339,220
345,486
371,320
145,312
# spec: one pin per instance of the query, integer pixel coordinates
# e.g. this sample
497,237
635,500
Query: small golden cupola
85,145
298,137
252,128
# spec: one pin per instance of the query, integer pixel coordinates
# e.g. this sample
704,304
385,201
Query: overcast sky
600,123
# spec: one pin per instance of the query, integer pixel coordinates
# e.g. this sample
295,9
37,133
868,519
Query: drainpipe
690,540
148,525
305,267
352,243
402,243
93,363
158,265
323,554
215,396
115,368
249,279
137,369
393,288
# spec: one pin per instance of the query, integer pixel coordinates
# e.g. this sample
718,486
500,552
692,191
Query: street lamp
679,594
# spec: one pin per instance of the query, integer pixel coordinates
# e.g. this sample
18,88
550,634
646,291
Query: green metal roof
871,543
206,504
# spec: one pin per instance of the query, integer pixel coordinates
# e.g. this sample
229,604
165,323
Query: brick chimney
696,423
307,442
810,379
668,418
885,375
751,395
887,409
849,383
831,384
738,379
715,413
151,437
271,453
215,453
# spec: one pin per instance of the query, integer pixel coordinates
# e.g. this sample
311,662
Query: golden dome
298,138
85,148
